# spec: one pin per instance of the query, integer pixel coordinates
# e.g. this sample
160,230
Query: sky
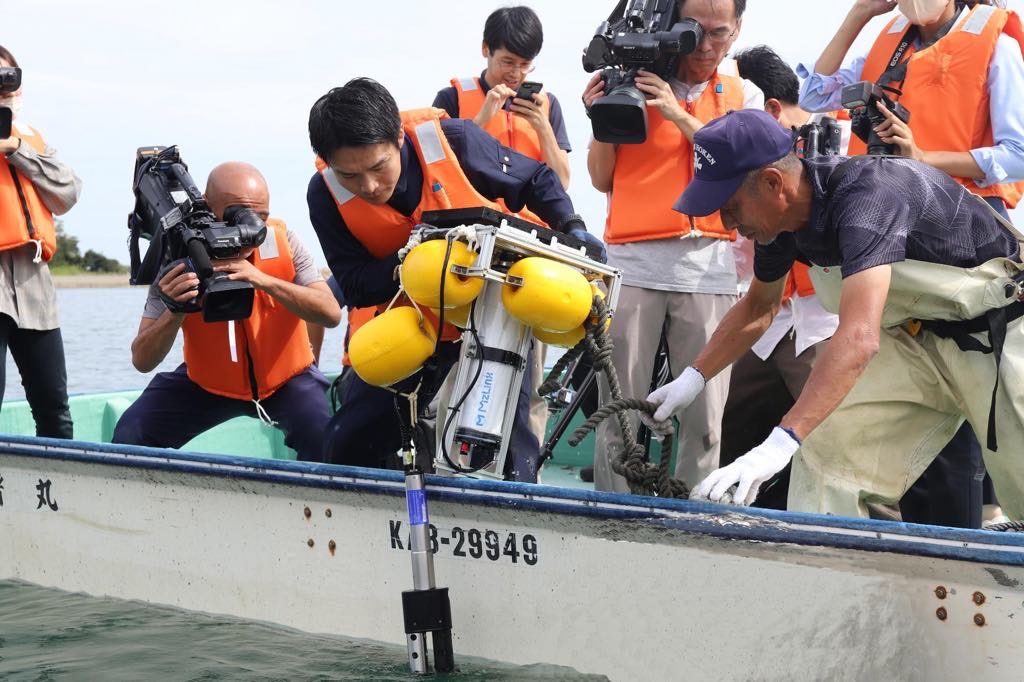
234,81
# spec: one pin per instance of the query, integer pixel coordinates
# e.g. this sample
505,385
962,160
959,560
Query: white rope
262,414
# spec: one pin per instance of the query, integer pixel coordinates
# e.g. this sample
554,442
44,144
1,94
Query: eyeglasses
513,65
720,36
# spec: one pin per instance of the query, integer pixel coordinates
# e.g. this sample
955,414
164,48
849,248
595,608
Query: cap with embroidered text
724,151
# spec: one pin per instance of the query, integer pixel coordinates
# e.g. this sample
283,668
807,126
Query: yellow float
553,296
421,275
456,316
571,338
391,346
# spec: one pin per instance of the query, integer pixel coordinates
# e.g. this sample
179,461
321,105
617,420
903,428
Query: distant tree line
68,254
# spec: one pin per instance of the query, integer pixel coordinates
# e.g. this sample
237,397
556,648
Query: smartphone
6,116
528,89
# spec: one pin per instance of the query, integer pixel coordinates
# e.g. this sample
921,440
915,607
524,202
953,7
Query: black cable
444,280
451,413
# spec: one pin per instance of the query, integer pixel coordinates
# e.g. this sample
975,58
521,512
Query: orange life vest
946,87
649,177
270,347
24,217
799,281
509,129
382,229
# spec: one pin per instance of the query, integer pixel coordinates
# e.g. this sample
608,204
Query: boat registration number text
472,543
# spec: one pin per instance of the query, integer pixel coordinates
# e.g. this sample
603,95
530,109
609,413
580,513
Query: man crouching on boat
921,273
261,367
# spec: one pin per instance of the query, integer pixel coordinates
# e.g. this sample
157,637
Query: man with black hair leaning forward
381,170
924,294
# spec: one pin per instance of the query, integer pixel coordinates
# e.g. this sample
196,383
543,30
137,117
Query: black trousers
174,409
949,492
39,356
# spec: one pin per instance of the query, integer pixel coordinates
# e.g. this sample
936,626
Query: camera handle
200,259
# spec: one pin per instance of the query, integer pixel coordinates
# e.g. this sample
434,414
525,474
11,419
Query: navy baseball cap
724,151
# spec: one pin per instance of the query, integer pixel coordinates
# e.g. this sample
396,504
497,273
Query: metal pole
422,561
426,608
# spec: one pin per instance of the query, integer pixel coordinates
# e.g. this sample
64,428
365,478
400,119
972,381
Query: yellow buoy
570,338
421,275
553,295
563,339
457,316
391,346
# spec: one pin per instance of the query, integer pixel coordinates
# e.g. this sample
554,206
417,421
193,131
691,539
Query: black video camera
639,34
862,99
821,138
172,214
10,81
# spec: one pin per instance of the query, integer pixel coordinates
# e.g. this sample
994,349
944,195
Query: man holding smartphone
503,102
522,117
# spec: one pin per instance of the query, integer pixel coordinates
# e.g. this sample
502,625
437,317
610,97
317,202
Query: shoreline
104,280
107,280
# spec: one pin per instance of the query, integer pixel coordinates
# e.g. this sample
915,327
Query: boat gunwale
702,518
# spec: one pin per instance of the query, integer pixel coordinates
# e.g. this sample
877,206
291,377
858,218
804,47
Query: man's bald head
236,183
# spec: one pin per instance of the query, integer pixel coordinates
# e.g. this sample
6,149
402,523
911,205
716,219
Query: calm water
52,635
98,326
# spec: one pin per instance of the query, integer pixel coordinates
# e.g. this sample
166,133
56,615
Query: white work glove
673,397
749,471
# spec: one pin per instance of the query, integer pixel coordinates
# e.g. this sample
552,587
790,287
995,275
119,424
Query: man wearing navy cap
922,275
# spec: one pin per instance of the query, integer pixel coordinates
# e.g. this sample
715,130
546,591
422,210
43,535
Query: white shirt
803,316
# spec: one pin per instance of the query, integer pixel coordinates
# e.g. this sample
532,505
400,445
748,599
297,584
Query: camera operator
34,186
931,318
982,149
260,367
381,170
968,123
678,272
766,382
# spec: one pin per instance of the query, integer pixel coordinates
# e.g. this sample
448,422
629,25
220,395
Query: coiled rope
643,476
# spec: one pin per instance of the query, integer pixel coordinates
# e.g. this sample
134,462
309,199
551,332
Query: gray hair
787,164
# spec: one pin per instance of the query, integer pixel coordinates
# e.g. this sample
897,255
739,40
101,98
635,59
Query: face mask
12,102
923,12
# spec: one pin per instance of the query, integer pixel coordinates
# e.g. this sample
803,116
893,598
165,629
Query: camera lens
620,117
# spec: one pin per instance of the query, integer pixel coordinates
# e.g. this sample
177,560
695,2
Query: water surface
51,635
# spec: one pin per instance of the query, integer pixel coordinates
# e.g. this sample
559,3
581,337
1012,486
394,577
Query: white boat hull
628,587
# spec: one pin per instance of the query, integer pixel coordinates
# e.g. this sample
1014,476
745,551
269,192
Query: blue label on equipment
416,500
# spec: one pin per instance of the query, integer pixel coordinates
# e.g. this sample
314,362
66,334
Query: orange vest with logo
270,347
649,177
382,229
24,217
509,129
946,89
